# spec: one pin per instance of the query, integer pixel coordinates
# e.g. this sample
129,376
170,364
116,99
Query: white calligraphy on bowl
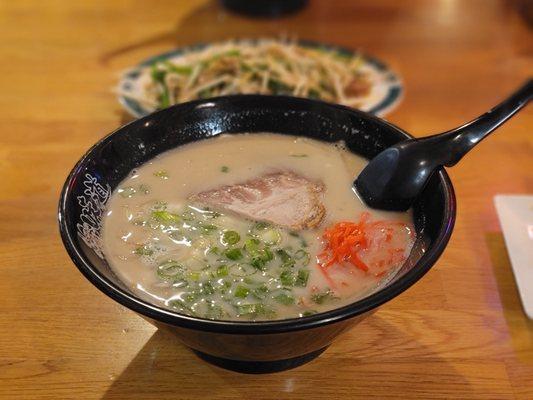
92,205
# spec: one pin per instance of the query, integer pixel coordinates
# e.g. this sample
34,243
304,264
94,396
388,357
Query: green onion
230,237
253,309
260,226
302,277
241,291
181,306
213,250
258,263
207,288
343,55
207,228
188,216
144,250
170,270
232,53
161,174
249,280
287,278
245,67
224,286
203,94
271,236
302,256
165,217
224,168
243,309
194,275
229,53
251,245
212,214
190,297
242,270
277,87
214,311
308,313
313,94
158,76
233,254
284,299
266,254
178,69
286,259
320,298
260,292
164,99
223,270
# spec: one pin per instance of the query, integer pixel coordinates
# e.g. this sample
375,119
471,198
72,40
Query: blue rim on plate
392,97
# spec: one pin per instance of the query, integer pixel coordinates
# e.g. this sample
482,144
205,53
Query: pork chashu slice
282,198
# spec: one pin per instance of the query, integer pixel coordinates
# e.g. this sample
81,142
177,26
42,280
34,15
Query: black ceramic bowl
243,346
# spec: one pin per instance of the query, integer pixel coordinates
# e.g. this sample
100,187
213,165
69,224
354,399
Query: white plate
385,95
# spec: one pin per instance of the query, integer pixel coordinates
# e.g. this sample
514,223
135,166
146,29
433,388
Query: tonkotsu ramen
251,227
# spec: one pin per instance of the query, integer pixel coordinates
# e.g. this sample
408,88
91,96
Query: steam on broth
224,229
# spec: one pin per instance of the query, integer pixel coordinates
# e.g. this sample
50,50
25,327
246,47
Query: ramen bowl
251,347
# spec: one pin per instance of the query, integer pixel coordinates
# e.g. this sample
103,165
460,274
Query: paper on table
516,218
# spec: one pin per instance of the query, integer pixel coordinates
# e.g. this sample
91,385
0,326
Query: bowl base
259,367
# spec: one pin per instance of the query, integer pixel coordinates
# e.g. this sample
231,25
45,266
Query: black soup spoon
396,176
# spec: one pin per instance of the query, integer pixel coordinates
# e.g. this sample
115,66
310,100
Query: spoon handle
459,141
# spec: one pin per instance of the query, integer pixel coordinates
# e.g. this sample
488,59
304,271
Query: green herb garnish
302,277
230,238
284,299
178,69
321,298
241,291
170,271
144,250
271,236
165,217
161,174
233,254
302,256
223,270
287,278
286,259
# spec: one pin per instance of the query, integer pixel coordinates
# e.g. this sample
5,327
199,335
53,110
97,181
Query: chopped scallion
284,298
161,174
230,238
241,291
233,254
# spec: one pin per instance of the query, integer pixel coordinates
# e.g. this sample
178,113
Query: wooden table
459,333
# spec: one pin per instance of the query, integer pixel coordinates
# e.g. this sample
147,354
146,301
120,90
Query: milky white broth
177,257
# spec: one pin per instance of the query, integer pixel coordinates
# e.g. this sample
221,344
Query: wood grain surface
458,333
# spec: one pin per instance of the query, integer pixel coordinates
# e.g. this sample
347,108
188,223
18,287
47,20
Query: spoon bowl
396,177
